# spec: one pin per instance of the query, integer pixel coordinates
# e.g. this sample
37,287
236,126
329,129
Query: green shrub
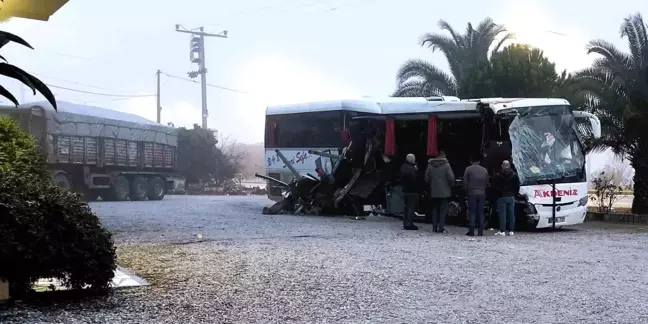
46,232
19,153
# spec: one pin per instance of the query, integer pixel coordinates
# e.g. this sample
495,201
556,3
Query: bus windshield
546,147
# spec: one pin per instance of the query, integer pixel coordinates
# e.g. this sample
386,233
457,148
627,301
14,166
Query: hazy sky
280,51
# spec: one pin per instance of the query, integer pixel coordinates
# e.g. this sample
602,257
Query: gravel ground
218,260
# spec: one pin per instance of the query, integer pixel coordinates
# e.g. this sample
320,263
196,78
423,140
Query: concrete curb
617,218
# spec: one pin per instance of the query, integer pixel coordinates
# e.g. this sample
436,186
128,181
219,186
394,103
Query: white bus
538,135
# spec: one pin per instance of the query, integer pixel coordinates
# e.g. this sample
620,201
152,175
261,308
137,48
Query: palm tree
615,88
466,55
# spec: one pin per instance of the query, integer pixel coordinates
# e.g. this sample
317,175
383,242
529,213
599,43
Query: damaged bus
539,136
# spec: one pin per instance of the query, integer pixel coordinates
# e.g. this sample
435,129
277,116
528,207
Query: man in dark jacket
475,182
408,179
506,185
440,177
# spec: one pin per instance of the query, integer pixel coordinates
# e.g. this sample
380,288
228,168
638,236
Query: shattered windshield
545,146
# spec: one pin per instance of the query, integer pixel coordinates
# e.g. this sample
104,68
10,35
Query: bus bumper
572,216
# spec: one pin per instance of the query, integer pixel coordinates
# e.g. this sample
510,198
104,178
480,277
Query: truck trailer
100,152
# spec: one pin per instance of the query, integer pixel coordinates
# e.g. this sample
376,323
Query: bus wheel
120,189
156,188
62,181
138,189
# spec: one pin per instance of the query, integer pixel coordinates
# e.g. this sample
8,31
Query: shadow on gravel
65,300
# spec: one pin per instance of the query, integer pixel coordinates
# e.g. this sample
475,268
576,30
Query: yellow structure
30,9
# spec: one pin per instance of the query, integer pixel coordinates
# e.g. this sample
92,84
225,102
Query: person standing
440,177
506,184
475,182
408,179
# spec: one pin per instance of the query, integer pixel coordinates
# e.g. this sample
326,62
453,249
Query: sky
277,51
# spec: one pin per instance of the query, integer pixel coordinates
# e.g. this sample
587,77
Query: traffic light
195,49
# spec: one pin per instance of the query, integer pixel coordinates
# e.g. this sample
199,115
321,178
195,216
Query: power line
99,93
283,8
69,81
209,85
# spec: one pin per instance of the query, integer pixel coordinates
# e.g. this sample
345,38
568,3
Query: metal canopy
31,9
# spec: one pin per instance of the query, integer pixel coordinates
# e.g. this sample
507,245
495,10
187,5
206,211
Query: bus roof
497,104
392,106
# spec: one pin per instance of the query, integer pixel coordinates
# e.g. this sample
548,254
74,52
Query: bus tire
62,180
156,188
138,188
120,189
91,195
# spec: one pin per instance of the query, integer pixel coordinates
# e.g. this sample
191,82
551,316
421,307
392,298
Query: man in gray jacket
440,178
475,182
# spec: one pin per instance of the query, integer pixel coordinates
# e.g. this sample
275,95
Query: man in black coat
506,185
409,182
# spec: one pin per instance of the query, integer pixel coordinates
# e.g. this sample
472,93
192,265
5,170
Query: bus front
548,154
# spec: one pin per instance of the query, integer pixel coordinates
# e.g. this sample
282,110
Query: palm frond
416,88
432,76
14,72
444,25
634,29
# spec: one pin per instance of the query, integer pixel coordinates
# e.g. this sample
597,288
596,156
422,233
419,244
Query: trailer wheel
138,187
156,188
120,189
91,195
62,181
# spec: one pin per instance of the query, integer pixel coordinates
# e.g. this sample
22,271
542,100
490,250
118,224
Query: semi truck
101,153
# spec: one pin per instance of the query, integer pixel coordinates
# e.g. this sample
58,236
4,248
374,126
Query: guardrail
624,192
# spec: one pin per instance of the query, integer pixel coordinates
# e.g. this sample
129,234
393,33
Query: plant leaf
5,93
29,80
43,89
14,72
5,38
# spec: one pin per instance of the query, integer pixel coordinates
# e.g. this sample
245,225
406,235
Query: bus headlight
583,201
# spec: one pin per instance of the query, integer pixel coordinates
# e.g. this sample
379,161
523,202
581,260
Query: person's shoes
470,233
442,231
435,229
510,233
500,233
410,227
480,233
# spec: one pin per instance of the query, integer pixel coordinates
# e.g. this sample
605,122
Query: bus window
309,130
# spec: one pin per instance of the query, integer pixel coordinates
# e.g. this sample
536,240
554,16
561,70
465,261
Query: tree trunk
640,200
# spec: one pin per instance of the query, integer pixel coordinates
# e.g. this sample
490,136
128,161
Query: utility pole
157,94
197,55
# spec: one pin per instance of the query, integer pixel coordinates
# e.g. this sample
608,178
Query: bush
19,152
45,231
606,191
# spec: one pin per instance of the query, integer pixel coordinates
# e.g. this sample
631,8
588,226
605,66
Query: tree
615,88
199,157
234,153
522,71
17,73
467,55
